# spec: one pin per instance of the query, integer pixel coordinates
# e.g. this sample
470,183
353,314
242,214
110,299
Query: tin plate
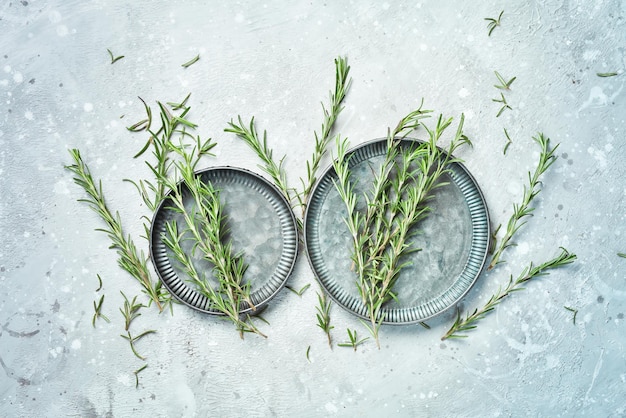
261,226
454,241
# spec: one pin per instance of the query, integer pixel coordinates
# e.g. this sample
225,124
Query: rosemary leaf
462,325
574,311
191,61
114,59
493,23
611,74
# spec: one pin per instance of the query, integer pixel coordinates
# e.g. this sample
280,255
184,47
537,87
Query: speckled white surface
274,60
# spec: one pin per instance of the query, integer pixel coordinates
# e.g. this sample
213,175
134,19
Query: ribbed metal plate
261,226
454,241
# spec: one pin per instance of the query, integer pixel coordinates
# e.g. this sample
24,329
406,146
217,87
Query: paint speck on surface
423,47
590,54
60,187
54,16
331,408
18,77
463,93
88,107
386,6
124,379
62,30
76,344
29,115
239,18
7,68
26,234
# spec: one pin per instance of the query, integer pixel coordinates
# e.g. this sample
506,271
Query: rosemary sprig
505,105
574,311
353,340
130,259
263,151
493,23
342,85
191,61
462,325
130,311
381,235
611,74
162,142
508,142
205,226
323,315
136,373
114,59
98,311
504,85
522,210
132,340
301,291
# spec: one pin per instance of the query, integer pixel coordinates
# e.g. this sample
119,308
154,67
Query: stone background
274,60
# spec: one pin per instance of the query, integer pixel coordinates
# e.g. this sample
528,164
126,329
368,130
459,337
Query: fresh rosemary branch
114,59
353,340
132,340
130,311
505,105
342,85
162,144
130,259
522,210
251,137
98,311
493,23
205,226
462,325
323,315
191,61
381,234
574,311
504,85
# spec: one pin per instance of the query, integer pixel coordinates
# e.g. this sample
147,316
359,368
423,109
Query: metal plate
454,239
261,226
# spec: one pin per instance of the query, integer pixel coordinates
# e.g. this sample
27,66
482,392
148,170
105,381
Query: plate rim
293,229
483,261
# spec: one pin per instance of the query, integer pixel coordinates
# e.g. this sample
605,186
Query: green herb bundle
206,227
382,233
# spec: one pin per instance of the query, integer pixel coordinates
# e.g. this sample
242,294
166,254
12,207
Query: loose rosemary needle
114,59
462,325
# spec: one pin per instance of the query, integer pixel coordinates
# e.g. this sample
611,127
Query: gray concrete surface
274,60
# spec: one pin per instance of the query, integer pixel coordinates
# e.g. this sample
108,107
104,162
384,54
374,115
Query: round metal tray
454,241
261,226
